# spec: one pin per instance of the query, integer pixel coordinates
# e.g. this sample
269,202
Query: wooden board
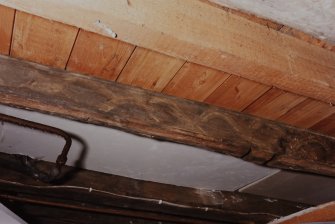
195,82
274,103
111,194
326,126
202,33
324,213
43,41
99,56
307,113
149,70
163,117
6,27
237,93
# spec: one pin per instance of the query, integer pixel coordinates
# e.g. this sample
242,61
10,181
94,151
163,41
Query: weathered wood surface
162,117
110,194
202,33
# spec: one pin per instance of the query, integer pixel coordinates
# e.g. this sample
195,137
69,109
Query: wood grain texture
98,55
149,70
326,126
195,82
41,40
204,34
111,194
324,213
6,28
307,113
236,93
163,117
273,104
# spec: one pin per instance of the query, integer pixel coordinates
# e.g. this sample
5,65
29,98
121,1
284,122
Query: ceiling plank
202,33
308,113
43,41
195,82
111,194
99,55
163,117
237,93
6,28
149,70
326,126
273,104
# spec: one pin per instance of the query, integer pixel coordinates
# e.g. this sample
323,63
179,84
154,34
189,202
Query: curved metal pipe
29,162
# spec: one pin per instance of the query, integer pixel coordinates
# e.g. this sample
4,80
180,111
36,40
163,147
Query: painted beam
90,191
199,32
146,113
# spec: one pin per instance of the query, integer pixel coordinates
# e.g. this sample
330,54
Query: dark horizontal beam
155,115
95,192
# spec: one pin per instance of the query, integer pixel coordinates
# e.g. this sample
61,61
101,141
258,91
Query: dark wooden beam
94,192
87,99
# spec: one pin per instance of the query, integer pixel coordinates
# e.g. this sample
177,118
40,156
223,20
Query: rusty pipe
29,162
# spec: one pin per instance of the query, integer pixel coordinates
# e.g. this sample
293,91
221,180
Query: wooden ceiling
63,46
200,51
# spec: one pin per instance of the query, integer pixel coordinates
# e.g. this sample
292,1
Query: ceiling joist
155,115
202,33
105,194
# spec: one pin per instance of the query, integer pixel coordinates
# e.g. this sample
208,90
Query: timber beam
105,194
150,114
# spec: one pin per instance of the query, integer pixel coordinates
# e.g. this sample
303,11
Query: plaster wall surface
113,151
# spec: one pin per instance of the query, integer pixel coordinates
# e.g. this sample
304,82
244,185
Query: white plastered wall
113,151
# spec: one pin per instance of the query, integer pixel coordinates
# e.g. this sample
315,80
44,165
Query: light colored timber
237,93
202,33
195,82
6,26
43,41
99,56
273,104
307,113
156,115
149,70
